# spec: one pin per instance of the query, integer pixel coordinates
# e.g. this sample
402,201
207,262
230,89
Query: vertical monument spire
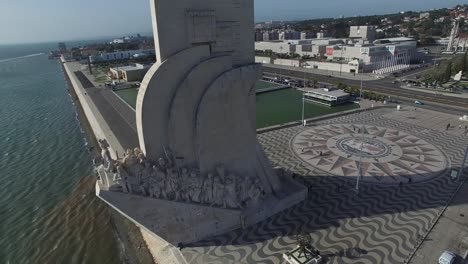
198,101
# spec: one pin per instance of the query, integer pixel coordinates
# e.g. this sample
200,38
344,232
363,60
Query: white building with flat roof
276,46
363,32
375,57
131,73
120,55
327,96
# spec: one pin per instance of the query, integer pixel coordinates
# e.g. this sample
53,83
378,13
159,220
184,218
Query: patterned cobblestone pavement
381,224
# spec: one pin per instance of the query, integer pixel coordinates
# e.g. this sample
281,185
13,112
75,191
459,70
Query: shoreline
134,247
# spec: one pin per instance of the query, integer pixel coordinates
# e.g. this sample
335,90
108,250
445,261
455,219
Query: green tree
448,72
465,62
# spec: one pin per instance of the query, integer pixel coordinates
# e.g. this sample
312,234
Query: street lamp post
341,60
303,102
438,50
362,144
303,106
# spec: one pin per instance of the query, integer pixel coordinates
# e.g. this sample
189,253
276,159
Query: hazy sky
23,21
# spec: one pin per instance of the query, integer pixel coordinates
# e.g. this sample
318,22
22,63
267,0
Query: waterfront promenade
109,117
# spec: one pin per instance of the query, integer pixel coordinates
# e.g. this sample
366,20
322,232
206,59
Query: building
134,73
343,67
321,35
306,35
258,36
270,36
120,55
327,96
287,35
385,54
310,47
278,47
117,41
368,33
62,47
311,50
426,15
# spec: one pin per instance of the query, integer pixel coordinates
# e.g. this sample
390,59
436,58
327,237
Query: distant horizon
265,10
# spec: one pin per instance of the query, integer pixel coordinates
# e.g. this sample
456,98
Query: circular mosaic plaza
387,155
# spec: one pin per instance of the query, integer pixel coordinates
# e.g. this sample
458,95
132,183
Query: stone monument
200,170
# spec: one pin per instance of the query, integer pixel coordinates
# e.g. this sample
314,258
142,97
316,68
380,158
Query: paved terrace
386,221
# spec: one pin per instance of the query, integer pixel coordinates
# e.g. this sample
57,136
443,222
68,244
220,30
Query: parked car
418,102
447,257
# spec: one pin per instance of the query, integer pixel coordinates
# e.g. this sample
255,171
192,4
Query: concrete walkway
109,117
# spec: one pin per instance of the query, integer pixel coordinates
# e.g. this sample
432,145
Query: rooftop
330,92
133,67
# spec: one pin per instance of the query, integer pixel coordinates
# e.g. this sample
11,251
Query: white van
447,257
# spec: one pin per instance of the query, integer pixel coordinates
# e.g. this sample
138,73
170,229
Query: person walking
448,126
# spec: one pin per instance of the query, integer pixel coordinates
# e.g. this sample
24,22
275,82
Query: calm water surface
48,210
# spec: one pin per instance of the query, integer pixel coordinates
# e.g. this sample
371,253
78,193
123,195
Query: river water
48,209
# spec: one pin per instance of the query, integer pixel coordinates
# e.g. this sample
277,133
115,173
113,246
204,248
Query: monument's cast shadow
333,203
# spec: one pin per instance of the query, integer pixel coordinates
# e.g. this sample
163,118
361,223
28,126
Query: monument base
181,223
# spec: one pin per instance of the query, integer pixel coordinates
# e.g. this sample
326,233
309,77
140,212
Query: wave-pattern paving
381,224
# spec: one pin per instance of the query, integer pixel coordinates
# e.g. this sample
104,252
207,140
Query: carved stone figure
123,178
255,193
244,189
194,187
162,163
230,194
221,172
106,159
157,184
137,152
184,186
218,191
207,189
172,185
103,144
130,159
146,174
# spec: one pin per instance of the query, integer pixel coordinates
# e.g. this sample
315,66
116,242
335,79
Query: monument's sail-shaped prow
198,100
200,170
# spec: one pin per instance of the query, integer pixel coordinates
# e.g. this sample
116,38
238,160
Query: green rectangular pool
273,108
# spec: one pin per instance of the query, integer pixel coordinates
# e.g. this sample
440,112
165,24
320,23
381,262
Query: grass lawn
101,79
129,96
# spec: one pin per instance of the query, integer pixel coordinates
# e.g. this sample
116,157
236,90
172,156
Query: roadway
119,117
382,86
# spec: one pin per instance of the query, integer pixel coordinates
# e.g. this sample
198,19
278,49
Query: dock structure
327,96
272,89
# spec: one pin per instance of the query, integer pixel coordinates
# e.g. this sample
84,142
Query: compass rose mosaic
387,155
